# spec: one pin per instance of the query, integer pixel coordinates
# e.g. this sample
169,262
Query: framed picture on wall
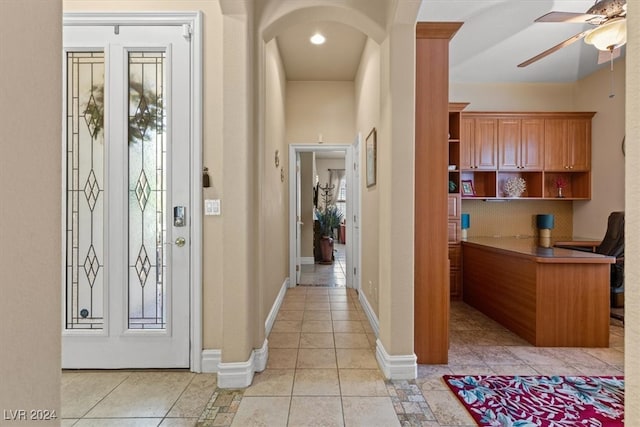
371,152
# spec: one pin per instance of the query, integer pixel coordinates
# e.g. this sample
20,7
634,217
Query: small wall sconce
281,174
206,183
277,158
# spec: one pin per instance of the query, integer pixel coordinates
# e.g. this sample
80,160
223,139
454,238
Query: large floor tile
284,340
81,391
447,409
179,422
194,399
316,382
271,382
356,359
262,412
118,422
282,358
317,326
317,315
318,358
287,326
350,326
351,340
362,382
316,340
369,412
316,411
143,394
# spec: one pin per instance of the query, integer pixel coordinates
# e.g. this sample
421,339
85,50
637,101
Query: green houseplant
329,219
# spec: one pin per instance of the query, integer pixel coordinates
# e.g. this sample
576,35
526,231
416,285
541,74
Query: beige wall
632,218
275,194
315,108
517,217
30,206
367,117
607,170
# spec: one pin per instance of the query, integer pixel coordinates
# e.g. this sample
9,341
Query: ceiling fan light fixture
317,38
609,35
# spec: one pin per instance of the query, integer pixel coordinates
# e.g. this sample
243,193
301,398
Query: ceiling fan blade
571,17
555,48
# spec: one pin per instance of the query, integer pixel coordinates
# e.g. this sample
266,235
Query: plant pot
326,249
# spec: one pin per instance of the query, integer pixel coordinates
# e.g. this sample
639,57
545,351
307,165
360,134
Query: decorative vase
560,195
326,249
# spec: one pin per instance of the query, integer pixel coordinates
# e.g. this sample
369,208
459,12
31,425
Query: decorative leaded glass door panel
127,190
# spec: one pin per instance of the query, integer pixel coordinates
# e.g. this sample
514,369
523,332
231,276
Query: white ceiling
496,36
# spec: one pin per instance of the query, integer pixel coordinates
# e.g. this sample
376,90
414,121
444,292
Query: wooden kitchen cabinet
478,143
520,144
540,147
567,144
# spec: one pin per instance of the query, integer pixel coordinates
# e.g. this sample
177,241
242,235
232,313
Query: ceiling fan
609,34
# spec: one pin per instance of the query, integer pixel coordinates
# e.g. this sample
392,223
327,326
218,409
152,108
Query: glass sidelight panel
84,297
147,191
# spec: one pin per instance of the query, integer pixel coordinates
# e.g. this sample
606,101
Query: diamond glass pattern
84,275
147,191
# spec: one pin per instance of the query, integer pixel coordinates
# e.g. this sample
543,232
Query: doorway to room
324,182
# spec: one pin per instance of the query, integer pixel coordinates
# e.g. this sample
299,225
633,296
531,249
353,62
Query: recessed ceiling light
317,38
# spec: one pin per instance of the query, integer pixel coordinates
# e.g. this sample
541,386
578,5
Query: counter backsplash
516,217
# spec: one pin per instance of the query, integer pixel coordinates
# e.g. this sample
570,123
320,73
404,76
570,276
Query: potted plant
329,219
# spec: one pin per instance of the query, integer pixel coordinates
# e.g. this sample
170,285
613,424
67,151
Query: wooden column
431,275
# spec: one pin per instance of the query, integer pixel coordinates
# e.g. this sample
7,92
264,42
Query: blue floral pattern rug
532,401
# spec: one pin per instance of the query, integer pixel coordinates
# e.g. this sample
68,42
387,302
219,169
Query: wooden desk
551,297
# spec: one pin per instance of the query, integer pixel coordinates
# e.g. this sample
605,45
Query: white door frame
192,27
352,259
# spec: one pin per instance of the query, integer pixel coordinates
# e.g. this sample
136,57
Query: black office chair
611,245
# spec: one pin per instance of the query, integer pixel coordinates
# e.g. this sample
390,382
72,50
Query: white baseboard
371,315
240,374
261,357
307,260
210,360
396,367
271,318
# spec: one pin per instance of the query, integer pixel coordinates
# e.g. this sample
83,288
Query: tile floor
322,371
326,275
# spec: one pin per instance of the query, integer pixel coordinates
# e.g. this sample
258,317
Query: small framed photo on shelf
466,188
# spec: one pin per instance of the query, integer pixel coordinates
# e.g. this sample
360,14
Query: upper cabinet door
467,158
532,144
486,144
579,144
509,152
555,145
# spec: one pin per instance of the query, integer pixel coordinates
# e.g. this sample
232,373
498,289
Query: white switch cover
212,207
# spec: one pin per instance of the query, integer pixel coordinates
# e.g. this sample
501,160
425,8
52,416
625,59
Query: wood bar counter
551,297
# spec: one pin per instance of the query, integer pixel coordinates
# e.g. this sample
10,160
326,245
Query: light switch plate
212,207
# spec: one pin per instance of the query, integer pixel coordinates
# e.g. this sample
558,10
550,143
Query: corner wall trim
371,315
396,367
240,374
210,360
271,318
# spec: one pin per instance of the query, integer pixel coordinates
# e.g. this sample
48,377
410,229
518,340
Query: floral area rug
528,401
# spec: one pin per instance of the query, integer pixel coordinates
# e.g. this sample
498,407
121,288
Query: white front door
127,194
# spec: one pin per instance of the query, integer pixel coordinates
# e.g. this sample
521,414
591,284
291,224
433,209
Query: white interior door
353,217
127,197
299,222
